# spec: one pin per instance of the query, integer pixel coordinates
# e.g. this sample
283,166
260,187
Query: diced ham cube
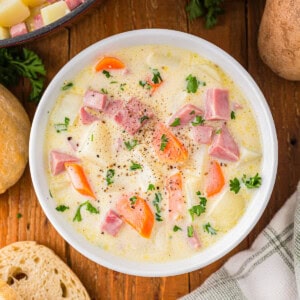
38,22
18,29
133,116
112,223
186,114
217,104
202,134
87,118
223,146
58,159
95,100
113,107
72,4
193,241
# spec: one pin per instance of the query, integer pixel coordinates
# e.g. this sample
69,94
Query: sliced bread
7,293
35,272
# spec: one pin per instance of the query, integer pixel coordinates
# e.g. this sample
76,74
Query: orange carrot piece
136,213
109,63
176,200
79,180
215,179
167,146
154,86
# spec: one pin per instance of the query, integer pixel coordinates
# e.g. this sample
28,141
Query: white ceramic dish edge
248,87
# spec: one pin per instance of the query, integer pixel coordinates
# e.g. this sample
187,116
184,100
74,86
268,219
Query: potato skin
279,37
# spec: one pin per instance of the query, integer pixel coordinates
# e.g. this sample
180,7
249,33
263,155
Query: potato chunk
54,12
13,12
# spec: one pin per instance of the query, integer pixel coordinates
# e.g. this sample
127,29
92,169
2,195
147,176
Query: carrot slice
167,146
136,213
215,179
154,86
176,201
78,179
108,63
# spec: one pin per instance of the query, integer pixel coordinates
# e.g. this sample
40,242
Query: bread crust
14,139
36,272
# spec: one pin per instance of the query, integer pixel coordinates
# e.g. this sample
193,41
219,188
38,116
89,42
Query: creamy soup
154,153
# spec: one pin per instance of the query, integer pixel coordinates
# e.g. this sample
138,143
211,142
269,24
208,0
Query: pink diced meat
113,107
217,104
186,114
95,100
193,241
87,118
18,29
72,4
223,146
176,199
38,21
112,223
58,159
133,116
202,134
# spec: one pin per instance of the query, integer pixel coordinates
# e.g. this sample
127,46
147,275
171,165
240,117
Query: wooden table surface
236,33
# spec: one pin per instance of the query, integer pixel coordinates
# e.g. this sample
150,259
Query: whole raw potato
279,37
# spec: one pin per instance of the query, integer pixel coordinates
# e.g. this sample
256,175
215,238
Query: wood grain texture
236,33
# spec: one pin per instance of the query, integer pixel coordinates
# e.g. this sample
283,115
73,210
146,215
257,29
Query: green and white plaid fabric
270,269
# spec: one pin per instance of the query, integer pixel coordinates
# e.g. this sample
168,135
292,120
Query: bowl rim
268,139
50,28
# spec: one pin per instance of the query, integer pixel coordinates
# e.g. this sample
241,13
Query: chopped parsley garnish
209,229
59,127
145,84
192,112
232,115
106,73
62,208
176,122
130,144
156,76
113,82
19,215
151,187
190,231
134,166
193,83
122,85
252,182
89,207
133,200
110,176
200,208
163,142
235,185
50,194
198,121
218,131
156,202
104,91
176,228
67,86
143,118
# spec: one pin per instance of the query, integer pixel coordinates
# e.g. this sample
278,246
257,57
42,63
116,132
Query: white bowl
251,92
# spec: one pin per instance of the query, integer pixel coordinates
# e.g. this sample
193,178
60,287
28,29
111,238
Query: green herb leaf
252,182
122,85
198,209
131,144
209,229
133,200
143,118
106,73
59,127
176,122
232,115
62,208
67,86
156,202
195,9
109,176
158,217
89,207
198,121
16,63
235,185
163,142
156,76
134,166
218,131
19,215
151,187
193,83
145,84
190,231
176,228
104,91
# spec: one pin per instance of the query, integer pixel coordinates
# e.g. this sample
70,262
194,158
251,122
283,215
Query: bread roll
35,272
7,293
14,139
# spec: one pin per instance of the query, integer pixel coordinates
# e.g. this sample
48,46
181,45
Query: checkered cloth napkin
269,270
